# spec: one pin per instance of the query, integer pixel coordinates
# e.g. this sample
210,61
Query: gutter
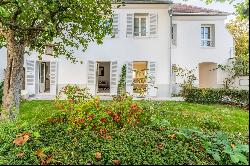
201,14
170,12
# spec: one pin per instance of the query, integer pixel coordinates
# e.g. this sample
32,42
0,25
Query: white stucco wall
188,53
123,49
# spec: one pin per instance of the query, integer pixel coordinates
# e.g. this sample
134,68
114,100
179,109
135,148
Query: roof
189,10
147,1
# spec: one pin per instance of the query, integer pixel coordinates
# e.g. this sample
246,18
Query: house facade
149,38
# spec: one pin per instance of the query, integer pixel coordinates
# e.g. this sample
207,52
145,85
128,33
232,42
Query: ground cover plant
61,132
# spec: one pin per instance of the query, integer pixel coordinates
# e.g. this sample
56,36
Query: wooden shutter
115,26
30,76
91,80
152,79
53,78
129,78
130,25
153,20
113,78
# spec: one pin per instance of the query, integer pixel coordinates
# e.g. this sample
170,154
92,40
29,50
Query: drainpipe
170,12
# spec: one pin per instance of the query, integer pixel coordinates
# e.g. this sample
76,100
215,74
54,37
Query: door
42,70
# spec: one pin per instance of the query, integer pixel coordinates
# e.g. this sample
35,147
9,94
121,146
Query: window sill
207,47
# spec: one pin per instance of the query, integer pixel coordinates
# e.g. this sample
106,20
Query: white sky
226,7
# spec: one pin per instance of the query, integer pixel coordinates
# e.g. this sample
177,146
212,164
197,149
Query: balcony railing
207,43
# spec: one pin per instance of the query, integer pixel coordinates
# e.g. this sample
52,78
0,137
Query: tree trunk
13,76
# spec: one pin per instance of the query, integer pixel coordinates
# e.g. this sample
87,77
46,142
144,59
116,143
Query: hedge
1,92
217,96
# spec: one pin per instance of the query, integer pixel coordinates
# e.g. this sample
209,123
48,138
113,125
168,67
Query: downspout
170,12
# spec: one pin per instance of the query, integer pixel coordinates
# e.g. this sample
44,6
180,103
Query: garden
84,130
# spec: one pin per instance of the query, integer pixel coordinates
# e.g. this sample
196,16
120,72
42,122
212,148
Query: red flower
81,120
91,117
71,100
104,120
109,112
134,106
117,118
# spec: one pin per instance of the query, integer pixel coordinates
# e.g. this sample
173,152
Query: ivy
122,82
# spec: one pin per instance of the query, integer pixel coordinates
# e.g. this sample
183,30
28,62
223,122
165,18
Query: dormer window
49,50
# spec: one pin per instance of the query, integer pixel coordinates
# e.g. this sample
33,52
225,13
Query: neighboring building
143,40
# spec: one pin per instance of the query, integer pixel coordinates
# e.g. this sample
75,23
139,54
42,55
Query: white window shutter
152,90
91,80
129,78
113,78
115,26
130,25
153,24
30,76
53,78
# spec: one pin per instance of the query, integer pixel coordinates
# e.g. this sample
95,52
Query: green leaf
36,134
234,158
242,158
228,150
242,148
216,156
3,12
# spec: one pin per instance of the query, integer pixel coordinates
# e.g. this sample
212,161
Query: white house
151,35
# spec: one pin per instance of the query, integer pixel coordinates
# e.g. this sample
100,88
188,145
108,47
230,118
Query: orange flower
109,112
81,120
116,118
104,120
134,107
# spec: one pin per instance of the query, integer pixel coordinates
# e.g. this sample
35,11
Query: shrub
87,112
211,124
218,96
1,92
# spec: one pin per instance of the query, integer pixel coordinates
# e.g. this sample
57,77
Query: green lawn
193,134
179,114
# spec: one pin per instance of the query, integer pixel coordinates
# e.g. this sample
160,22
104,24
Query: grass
179,114
178,144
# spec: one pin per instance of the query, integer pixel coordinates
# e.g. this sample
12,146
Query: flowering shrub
87,112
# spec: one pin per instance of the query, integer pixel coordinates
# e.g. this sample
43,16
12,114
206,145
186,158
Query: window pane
143,26
207,32
139,76
136,27
202,32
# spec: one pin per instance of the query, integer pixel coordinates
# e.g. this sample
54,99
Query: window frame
140,17
207,42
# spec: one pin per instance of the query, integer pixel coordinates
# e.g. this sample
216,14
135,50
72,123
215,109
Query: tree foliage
66,24
240,32
242,8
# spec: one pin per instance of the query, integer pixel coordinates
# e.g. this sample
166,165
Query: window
139,76
174,34
140,24
207,36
